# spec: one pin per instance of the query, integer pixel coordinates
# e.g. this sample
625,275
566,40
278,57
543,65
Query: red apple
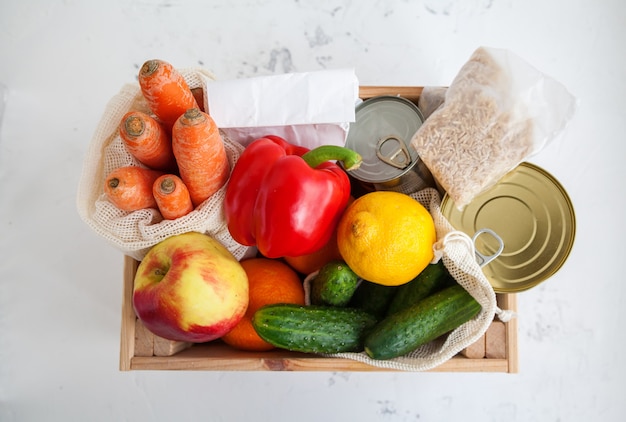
190,288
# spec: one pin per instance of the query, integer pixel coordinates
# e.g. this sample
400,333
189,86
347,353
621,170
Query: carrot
172,197
165,90
147,141
200,154
129,188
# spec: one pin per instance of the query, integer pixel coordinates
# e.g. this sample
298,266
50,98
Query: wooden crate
496,351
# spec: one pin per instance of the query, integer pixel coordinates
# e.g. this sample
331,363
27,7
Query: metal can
381,134
533,216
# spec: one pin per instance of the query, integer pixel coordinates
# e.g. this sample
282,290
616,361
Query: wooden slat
127,335
476,350
509,302
410,93
219,357
144,340
165,347
495,341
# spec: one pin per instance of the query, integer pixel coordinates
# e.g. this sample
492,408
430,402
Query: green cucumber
408,329
432,279
373,298
313,329
334,285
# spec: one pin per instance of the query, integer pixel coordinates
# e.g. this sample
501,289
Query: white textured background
60,284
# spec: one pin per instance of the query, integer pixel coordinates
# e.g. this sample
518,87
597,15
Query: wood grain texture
127,335
410,93
144,340
509,302
475,350
495,341
164,347
220,357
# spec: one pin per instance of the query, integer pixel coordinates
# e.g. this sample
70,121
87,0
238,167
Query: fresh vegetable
285,200
408,329
334,285
313,329
165,90
147,140
434,278
172,196
200,154
245,183
129,188
309,263
373,298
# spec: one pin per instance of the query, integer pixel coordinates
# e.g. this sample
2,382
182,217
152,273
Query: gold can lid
534,216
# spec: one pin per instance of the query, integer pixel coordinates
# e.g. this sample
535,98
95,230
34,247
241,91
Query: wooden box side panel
127,336
411,93
509,302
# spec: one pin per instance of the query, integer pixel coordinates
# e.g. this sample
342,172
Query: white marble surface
60,284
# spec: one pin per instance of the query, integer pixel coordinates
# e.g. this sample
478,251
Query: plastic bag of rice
497,112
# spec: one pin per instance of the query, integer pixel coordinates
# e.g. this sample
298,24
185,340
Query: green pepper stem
351,159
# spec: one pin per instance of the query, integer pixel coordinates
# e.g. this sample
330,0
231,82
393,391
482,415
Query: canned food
381,134
534,217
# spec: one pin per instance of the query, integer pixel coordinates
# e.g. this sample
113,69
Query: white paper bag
307,109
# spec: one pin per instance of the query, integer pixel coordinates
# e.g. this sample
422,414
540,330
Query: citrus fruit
386,237
270,281
306,264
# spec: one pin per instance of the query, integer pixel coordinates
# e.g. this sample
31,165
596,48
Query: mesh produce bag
458,254
134,233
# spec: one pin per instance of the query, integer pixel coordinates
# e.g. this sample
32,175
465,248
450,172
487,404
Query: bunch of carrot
179,145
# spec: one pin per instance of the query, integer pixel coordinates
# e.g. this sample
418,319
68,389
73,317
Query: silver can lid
381,134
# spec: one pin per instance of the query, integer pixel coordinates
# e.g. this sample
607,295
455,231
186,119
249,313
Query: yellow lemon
386,237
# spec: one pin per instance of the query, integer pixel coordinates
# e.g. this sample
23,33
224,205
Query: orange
306,264
270,281
386,237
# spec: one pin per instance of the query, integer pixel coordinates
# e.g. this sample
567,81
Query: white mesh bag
136,232
458,254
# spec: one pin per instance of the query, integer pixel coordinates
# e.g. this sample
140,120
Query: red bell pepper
285,199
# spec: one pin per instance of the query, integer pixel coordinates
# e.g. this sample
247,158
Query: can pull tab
393,151
486,259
